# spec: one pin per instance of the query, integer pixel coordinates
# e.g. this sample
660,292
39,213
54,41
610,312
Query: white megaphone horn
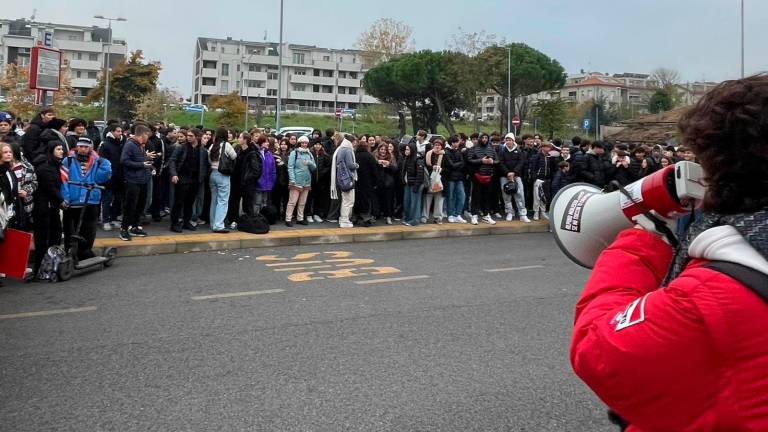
585,221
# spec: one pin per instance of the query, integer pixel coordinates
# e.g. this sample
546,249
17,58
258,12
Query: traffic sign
338,113
48,39
45,68
516,121
587,123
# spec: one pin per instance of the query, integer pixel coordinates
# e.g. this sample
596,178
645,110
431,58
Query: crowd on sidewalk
193,176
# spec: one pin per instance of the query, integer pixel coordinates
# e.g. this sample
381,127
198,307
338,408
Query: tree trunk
444,117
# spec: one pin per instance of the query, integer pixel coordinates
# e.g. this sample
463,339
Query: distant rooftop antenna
34,13
265,35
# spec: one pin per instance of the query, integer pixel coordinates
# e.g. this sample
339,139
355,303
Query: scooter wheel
110,254
66,269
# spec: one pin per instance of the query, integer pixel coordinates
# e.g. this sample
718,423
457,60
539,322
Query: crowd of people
193,176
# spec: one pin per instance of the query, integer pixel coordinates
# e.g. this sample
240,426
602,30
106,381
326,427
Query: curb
169,244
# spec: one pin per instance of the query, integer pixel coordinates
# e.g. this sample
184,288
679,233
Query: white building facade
84,49
313,80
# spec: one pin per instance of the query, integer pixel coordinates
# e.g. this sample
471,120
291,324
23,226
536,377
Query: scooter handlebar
90,186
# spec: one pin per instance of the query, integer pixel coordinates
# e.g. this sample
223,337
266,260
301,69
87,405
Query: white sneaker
107,227
497,216
439,221
423,220
318,219
346,225
468,215
525,219
460,219
116,224
535,216
546,215
233,226
474,219
451,219
489,220
510,216
389,220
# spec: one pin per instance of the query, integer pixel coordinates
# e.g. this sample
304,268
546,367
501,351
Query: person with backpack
81,170
436,165
49,202
319,196
343,178
187,167
221,157
301,164
673,338
483,160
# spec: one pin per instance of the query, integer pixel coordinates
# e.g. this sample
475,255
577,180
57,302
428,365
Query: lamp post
279,72
106,62
742,38
509,88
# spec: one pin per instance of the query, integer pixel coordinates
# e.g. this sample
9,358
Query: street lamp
742,38
106,63
279,72
509,88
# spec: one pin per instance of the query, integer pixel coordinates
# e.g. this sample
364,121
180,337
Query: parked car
299,131
195,108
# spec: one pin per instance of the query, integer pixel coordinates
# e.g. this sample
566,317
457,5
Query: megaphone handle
658,223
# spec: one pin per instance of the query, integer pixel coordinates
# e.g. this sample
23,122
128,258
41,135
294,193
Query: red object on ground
14,253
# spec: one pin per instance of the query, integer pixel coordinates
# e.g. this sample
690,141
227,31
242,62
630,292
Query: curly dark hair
728,132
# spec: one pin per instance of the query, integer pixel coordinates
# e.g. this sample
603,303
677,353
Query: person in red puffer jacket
666,341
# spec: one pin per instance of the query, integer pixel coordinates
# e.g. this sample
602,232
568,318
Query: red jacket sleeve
643,350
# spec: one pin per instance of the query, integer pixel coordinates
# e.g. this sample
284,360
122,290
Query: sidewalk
163,241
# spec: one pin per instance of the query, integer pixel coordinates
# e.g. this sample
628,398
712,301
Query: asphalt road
416,336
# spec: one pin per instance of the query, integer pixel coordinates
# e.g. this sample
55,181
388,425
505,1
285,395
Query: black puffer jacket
596,170
252,168
34,149
512,161
111,149
475,157
455,162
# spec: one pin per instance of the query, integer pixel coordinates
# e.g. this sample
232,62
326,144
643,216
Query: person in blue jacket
83,166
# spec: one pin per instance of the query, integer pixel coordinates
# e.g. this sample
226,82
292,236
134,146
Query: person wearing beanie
48,202
7,134
33,147
301,163
83,167
512,162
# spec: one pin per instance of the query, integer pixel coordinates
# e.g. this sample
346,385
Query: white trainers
116,224
346,225
489,220
510,217
107,227
389,220
467,215
423,220
451,219
318,219
233,226
536,216
497,215
474,219
439,221
460,219
525,219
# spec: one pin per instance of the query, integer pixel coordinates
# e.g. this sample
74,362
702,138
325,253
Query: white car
299,131
195,108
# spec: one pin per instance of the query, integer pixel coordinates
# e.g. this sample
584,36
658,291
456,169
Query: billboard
45,69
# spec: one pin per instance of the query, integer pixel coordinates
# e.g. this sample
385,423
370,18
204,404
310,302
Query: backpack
49,268
270,213
344,178
256,224
749,277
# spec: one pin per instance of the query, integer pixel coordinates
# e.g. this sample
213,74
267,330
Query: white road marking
513,268
237,294
395,279
48,312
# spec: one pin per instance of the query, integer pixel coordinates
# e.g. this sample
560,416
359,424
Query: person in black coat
386,174
187,167
595,167
235,189
366,183
253,166
34,149
319,196
112,197
48,203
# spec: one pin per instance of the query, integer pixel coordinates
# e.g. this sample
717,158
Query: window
342,90
298,58
353,90
342,74
354,59
272,92
209,64
489,99
238,68
299,71
316,88
326,58
299,87
225,69
353,75
237,83
221,49
272,75
341,59
79,56
79,74
256,84
316,72
489,109
91,74
224,86
271,67
328,73
209,81
93,57
327,89
254,68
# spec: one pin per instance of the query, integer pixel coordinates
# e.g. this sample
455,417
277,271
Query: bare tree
384,39
665,77
473,43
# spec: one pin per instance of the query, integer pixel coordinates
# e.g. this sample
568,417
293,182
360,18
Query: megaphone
585,221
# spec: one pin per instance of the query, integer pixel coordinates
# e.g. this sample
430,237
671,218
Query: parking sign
586,123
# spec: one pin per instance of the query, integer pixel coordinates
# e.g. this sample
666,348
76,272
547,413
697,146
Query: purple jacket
268,173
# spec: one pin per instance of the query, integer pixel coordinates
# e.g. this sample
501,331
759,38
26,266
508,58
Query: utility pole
742,38
279,72
106,62
509,88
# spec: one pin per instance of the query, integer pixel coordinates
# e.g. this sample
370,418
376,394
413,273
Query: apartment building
83,48
313,80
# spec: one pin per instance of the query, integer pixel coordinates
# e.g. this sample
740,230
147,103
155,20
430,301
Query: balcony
321,64
305,95
210,73
253,92
353,67
263,59
302,79
349,98
255,76
349,82
17,41
368,99
83,82
82,46
324,80
210,89
85,65
210,55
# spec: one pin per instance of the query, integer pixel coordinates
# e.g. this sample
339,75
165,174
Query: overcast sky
698,38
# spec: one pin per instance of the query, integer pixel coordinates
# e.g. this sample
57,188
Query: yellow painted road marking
48,312
513,268
395,279
293,263
302,268
237,294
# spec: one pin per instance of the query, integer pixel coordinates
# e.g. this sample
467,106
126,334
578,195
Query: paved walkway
163,241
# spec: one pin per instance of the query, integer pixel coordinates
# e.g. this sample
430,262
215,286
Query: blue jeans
456,198
411,206
219,199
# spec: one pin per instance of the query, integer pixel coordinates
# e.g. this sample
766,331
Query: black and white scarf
752,226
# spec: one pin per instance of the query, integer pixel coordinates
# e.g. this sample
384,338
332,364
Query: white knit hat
510,135
303,139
